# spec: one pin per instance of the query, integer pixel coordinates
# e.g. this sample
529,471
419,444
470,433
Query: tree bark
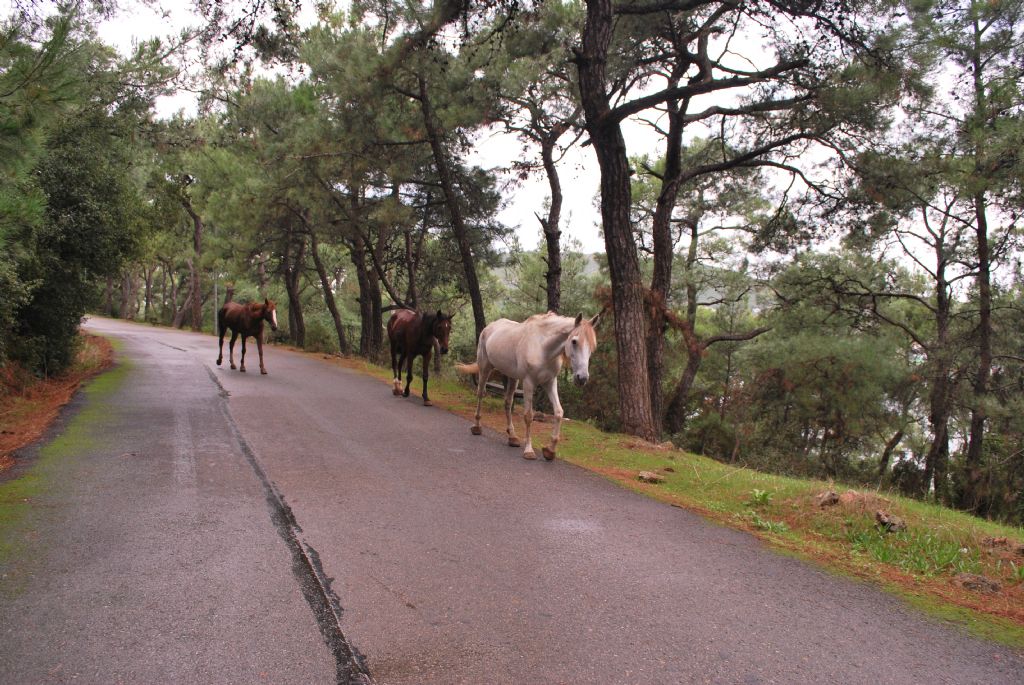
675,414
552,224
108,297
412,257
661,239
261,275
367,311
128,291
150,270
627,289
972,497
890,447
325,283
293,260
186,307
453,202
197,261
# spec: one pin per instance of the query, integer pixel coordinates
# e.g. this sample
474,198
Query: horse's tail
468,369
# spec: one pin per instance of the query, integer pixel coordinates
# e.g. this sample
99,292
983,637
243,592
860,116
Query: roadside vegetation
29,404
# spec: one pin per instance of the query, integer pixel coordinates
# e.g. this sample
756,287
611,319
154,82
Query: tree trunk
552,225
294,257
175,287
890,447
196,264
452,200
192,301
126,310
261,275
163,291
179,317
108,297
325,283
661,238
972,497
150,271
627,289
412,253
675,413
367,337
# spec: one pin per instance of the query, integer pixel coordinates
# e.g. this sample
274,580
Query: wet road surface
307,527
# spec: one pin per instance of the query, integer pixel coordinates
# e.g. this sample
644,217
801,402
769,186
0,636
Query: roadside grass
919,564
20,496
28,405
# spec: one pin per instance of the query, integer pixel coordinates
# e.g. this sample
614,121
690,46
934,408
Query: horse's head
441,329
580,344
270,313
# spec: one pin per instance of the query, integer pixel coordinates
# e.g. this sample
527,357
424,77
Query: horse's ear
266,302
579,318
597,318
440,316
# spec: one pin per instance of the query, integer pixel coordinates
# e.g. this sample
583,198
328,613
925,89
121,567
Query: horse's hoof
428,403
233,367
514,442
548,454
475,430
218,362
242,369
396,392
263,372
529,455
405,394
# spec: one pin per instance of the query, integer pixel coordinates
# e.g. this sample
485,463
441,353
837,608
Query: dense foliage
811,266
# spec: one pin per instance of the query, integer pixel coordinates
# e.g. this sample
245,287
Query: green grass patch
21,497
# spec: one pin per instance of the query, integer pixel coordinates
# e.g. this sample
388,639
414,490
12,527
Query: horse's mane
545,315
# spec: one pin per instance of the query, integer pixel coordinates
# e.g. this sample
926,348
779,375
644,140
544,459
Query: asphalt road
200,525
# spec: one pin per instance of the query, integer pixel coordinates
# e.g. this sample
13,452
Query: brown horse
412,334
245,320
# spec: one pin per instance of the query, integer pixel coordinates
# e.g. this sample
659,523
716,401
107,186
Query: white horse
532,352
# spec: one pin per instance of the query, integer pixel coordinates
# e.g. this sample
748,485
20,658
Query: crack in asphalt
350,665
173,347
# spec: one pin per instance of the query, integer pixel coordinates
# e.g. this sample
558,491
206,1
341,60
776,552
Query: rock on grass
651,477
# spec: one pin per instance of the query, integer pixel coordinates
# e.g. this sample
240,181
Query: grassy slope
918,565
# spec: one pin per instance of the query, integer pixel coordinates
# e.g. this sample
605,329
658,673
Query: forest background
811,254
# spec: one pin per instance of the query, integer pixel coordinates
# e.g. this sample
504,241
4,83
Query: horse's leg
528,416
259,348
220,345
231,349
510,399
395,372
426,375
242,366
556,407
484,372
410,357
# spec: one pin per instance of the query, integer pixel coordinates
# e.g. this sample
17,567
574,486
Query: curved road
205,526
